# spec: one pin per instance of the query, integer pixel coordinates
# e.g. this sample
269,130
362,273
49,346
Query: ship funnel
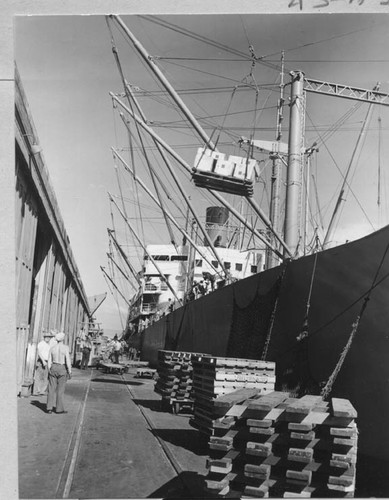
216,225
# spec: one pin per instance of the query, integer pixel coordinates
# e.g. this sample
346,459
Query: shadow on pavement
116,381
185,485
151,404
39,404
189,439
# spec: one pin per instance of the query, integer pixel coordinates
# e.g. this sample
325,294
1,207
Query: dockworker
86,350
210,279
116,349
60,370
53,342
201,288
41,376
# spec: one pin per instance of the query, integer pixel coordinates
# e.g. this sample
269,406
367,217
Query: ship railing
149,308
134,312
154,288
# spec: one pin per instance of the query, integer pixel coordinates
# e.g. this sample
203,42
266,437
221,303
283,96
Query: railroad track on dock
68,470
169,455
67,473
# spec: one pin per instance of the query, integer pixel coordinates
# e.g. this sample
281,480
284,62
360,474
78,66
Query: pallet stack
286,447
175,383
214,377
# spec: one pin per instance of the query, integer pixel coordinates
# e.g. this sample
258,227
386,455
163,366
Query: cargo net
250,325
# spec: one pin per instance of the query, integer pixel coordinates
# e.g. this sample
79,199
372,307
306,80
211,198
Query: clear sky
67,69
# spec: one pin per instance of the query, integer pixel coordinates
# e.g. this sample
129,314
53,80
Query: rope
331,380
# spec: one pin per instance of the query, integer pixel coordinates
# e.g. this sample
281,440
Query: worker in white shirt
117,347
60,369
41,376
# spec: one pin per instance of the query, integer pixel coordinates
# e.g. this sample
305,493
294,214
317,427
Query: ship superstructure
184,274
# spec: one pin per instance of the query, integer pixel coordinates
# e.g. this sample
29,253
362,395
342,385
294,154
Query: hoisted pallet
233,174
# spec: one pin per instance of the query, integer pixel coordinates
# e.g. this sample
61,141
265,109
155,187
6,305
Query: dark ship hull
268,310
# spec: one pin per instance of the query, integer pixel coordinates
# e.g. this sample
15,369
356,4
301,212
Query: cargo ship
318,311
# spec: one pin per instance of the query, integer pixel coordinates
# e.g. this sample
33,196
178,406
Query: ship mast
293,179
299,85
271,259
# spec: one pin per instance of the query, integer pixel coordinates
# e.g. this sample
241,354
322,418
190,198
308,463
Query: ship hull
267,312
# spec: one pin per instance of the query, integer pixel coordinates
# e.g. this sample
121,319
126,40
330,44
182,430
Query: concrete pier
114,442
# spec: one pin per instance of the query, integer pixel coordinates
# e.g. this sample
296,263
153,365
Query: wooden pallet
145,372
181,405
113,368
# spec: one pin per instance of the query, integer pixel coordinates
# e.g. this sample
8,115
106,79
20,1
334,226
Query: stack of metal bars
174,382
286,447
214,377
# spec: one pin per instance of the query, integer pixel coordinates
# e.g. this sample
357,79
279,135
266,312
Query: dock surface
114,442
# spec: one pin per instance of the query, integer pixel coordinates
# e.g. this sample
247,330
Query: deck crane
300,85
291,155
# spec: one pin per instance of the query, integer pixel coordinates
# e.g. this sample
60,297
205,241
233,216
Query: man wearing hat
41,372
60,369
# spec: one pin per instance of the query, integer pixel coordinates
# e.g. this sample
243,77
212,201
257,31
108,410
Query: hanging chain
330,382
273,316
305,332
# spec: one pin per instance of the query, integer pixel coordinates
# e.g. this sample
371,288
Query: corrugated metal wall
50,295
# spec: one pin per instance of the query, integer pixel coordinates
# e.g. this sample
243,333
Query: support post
294,159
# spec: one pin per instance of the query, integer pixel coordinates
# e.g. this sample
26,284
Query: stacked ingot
286,447
323,448
227,436
174,382
214,377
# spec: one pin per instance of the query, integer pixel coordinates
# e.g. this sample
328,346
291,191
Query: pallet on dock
182,405
113,368
145,372
175,379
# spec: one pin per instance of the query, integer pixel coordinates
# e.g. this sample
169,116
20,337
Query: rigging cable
204,39
357,149
161,184
349,184
379,173
116,301
341,173
121,73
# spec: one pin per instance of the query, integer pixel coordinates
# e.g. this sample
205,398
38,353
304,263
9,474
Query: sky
68,69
